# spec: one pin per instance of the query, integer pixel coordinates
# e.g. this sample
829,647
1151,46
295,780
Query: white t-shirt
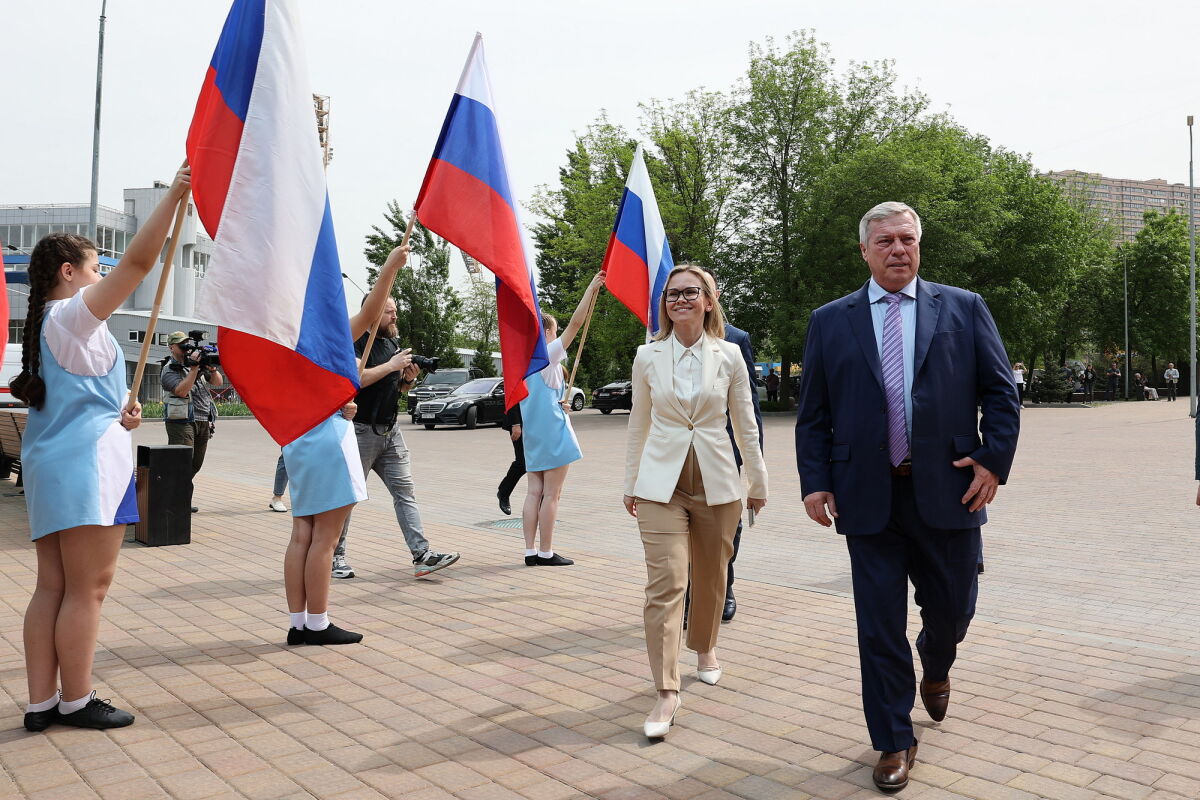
553,374
81,344
1019,375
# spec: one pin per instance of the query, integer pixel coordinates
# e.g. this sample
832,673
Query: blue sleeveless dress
324,468
76,459
546,433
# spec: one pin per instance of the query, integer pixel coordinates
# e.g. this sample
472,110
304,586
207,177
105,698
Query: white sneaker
277,505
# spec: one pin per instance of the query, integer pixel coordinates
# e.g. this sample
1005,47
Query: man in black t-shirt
389,371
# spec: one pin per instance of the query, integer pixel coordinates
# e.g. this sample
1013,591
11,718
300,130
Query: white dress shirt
689,366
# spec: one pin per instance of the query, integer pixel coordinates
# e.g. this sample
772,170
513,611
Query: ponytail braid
48,255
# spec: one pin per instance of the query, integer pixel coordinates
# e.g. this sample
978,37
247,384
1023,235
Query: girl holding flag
550,443
77,459
323,494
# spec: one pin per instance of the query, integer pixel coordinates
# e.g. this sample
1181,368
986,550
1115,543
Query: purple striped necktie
893,378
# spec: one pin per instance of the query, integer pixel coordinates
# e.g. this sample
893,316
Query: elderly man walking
891,446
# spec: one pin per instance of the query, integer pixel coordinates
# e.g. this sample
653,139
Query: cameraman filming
187,404
389,371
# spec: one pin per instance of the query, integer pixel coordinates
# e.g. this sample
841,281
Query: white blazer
661,429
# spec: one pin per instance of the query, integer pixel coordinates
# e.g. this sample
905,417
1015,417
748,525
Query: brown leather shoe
891,773
936,697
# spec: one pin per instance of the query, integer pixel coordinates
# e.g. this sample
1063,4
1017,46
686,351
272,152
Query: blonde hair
714,320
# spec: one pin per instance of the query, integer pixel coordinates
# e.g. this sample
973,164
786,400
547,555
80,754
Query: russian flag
638,258
274,285
3,307
465,199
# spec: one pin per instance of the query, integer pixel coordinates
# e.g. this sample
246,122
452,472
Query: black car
618,394
477,401
437,385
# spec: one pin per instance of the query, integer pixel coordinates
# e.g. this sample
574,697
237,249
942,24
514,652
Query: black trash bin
164,480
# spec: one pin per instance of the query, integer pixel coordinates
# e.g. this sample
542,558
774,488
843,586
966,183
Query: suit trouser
684,530
943,566
515,470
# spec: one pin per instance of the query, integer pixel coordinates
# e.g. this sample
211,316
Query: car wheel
606,411
472,415
577,403
429,426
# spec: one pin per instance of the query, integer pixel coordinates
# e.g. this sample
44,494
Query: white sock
545,554
531,551
317,622
71,706
298,618
45,705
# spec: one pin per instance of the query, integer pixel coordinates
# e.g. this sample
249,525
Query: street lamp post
96,129
1192,274
1125,282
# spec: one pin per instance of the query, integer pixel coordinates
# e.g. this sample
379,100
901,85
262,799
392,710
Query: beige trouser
684,530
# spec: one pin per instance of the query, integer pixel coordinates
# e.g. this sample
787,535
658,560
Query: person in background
281,482
1171,376
1019,379
773,386
512,424
1088,379
1114,380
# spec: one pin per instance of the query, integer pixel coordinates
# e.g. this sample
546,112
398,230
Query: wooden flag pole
412,219
582,339
162,287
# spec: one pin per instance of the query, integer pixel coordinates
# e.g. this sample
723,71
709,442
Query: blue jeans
387,455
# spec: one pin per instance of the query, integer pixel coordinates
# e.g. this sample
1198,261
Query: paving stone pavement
1080,677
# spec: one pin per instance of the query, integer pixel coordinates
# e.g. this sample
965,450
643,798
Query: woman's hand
182,182
596,283
349,410
755,504
131,416
631,505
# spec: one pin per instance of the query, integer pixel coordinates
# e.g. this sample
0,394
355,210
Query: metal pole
1125,270
1192,272
96,128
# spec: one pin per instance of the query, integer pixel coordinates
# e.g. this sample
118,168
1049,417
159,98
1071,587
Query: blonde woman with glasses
681,481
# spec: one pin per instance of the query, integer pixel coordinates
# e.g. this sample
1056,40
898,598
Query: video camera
210,357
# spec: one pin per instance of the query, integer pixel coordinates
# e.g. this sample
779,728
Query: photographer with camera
188,406
389,371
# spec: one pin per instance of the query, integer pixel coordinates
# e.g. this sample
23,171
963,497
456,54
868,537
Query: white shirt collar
875,292
678,350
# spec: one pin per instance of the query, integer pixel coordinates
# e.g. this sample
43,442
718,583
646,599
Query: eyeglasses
688,293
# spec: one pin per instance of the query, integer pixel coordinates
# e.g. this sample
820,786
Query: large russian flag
638,258
274,285
465,199
3,305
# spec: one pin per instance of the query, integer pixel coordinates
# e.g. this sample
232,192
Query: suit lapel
712,360
859,310
929,305
666,374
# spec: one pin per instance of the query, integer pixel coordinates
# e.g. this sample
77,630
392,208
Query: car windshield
483,386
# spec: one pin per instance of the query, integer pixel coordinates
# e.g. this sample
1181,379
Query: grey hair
886,211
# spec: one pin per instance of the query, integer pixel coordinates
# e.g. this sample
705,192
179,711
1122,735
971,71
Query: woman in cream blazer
681,481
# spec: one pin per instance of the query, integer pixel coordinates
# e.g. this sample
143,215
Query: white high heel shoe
709,675
657,730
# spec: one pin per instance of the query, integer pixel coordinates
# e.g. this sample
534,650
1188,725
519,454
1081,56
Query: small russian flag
638,259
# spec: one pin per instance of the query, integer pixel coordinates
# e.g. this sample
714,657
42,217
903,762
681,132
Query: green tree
479,324
428,308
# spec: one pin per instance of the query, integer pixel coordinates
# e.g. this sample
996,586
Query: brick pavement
1080,678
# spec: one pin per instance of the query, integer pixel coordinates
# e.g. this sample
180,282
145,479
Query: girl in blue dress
548,438
77,459
327,480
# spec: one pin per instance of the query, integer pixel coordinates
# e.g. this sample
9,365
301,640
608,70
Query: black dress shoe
730,608
504,504
295,636
555,560
97,714
331,635
531,561
40,720
194,509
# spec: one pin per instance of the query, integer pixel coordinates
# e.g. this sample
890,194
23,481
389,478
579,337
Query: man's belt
903,469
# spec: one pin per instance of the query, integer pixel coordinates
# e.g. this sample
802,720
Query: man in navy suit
907,424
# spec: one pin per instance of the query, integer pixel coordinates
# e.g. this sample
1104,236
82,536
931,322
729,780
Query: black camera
426,363
210,357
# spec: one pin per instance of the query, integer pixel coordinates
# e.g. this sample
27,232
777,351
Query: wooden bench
12,428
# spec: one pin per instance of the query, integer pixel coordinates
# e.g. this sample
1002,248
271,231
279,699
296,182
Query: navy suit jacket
742,340
964,403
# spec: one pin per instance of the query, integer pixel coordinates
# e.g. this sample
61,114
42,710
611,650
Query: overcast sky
1100,86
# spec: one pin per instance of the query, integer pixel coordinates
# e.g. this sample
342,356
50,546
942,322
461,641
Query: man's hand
410,373
396,259
631,505
401,360
193,358
817,503
983,489
515,434
1198,495
131,416
349,410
